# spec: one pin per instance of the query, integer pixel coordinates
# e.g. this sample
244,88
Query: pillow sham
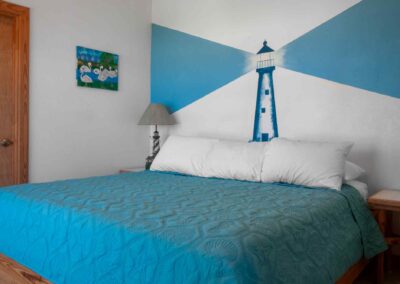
352,171
312,164
184,155
235,160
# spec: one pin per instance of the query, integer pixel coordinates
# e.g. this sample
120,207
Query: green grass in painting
99,85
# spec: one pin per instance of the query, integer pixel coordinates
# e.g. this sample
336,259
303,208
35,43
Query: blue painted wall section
265,120
185,68
359,47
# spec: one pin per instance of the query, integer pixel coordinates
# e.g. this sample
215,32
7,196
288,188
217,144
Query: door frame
21,88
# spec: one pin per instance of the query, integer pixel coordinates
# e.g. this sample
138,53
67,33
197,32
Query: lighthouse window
263,110
266,92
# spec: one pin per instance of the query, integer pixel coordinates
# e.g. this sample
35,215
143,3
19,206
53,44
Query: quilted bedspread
154,227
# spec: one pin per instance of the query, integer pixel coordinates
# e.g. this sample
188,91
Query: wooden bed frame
12,272
15,273
353,272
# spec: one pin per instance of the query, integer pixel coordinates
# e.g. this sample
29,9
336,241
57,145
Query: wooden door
14,58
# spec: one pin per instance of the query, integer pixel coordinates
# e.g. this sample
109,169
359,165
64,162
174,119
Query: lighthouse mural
177,83
265,122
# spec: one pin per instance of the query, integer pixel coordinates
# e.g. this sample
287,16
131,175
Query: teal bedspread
154,227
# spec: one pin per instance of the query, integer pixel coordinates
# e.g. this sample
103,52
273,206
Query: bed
153,227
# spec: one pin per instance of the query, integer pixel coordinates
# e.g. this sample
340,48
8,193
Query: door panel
7,102
14,57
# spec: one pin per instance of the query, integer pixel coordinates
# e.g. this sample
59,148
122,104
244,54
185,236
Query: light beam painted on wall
353,48
185,68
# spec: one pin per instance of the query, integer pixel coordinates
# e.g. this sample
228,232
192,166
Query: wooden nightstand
383,204
131,170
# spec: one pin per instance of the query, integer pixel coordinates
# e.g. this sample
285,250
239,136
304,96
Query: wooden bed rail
353,272
12,272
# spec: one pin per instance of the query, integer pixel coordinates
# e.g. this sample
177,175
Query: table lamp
155,114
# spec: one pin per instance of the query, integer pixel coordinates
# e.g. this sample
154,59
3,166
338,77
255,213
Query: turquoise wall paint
359,47
185,68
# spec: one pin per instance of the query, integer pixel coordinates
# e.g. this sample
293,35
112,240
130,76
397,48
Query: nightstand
383,204
131,170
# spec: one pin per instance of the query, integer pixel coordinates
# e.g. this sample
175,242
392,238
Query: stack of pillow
311,164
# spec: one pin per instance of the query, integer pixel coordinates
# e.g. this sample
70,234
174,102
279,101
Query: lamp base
156,149
149,161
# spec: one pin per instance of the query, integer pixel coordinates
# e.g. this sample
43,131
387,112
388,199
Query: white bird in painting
112,73
102,76
97,70
86,69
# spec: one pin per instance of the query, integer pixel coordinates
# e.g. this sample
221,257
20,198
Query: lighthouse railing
265,63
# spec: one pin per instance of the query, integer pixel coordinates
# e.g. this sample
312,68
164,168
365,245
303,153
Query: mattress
152,227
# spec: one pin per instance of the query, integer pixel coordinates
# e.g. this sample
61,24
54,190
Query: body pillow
235,160
312,164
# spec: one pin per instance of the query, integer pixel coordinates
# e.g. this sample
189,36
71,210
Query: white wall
79,132
244,24
307,107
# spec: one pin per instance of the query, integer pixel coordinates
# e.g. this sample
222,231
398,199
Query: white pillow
235,160
352,171
312,164
184,155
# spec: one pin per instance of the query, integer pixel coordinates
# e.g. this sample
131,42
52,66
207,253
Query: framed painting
96,69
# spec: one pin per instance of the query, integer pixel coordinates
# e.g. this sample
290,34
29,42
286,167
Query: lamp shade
156,114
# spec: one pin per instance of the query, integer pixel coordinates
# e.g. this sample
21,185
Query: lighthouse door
14,49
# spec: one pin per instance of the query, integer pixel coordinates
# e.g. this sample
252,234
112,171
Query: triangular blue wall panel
185,68
359,47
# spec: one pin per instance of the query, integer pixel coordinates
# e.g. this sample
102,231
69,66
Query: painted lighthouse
265,122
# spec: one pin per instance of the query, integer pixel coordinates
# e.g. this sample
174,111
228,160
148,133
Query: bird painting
96,69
